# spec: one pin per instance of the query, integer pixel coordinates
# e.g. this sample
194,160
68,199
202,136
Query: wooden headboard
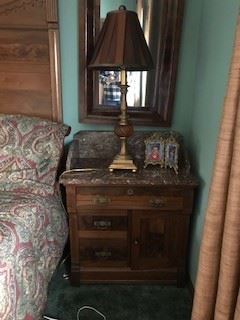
29,58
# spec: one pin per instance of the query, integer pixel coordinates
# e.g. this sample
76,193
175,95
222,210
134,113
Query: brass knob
136,242
156,203
130,192
101,200
102,224
103,254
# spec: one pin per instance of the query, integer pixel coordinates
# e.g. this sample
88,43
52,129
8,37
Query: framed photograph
154,150
171,153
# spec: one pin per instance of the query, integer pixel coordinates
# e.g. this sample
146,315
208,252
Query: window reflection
109,91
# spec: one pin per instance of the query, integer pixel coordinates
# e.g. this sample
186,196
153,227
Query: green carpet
117,302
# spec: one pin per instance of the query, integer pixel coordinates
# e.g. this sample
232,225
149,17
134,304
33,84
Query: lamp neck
123,87
123,77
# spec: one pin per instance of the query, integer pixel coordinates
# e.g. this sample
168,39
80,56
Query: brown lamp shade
121,44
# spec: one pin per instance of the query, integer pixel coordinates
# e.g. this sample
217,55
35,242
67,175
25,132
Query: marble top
91,152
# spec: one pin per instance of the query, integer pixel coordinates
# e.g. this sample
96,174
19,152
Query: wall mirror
151,94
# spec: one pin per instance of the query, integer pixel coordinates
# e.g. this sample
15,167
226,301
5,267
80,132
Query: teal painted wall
216,38
68,20
109,5
207,38
183,106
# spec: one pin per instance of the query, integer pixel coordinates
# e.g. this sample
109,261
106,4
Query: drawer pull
156,203
130,192
102,224
101,200
136,242
103,254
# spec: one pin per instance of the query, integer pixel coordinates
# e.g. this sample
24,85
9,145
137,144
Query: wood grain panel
28,82
23,68
24,46
29,58
35,104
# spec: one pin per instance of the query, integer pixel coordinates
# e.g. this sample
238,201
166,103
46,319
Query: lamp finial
122,7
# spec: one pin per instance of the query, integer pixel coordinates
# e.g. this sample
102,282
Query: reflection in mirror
109,91
151,94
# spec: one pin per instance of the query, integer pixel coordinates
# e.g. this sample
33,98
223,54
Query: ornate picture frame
171,153
154,150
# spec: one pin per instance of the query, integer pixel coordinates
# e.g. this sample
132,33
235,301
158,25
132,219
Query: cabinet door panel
156,239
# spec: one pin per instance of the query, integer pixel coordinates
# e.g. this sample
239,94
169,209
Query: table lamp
121,46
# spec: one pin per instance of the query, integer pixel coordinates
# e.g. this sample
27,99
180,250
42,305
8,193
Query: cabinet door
158,239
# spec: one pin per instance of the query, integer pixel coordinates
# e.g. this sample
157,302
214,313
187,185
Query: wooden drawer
130,202
129,191
102,220
103,252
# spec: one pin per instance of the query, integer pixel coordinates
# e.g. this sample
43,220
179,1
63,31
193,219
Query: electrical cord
72,171
78,313
78,170
90,308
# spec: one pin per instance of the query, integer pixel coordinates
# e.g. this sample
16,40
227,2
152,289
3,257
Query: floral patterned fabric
30,150
33,227
33,232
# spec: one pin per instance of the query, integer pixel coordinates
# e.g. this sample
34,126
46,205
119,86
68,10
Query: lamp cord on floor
90,308
78,313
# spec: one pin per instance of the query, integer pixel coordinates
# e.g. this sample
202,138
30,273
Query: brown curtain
217,287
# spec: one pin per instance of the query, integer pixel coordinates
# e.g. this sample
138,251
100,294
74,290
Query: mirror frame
158,114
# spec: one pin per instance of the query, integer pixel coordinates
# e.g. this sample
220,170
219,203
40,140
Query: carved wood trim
54,53
55,74
26,52
52,10
7,7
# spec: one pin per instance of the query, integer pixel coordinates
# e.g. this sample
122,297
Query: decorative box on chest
124,226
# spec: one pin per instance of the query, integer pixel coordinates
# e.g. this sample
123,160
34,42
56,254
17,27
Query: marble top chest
124,226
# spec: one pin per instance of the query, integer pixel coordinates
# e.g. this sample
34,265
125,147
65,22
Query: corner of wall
185,88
